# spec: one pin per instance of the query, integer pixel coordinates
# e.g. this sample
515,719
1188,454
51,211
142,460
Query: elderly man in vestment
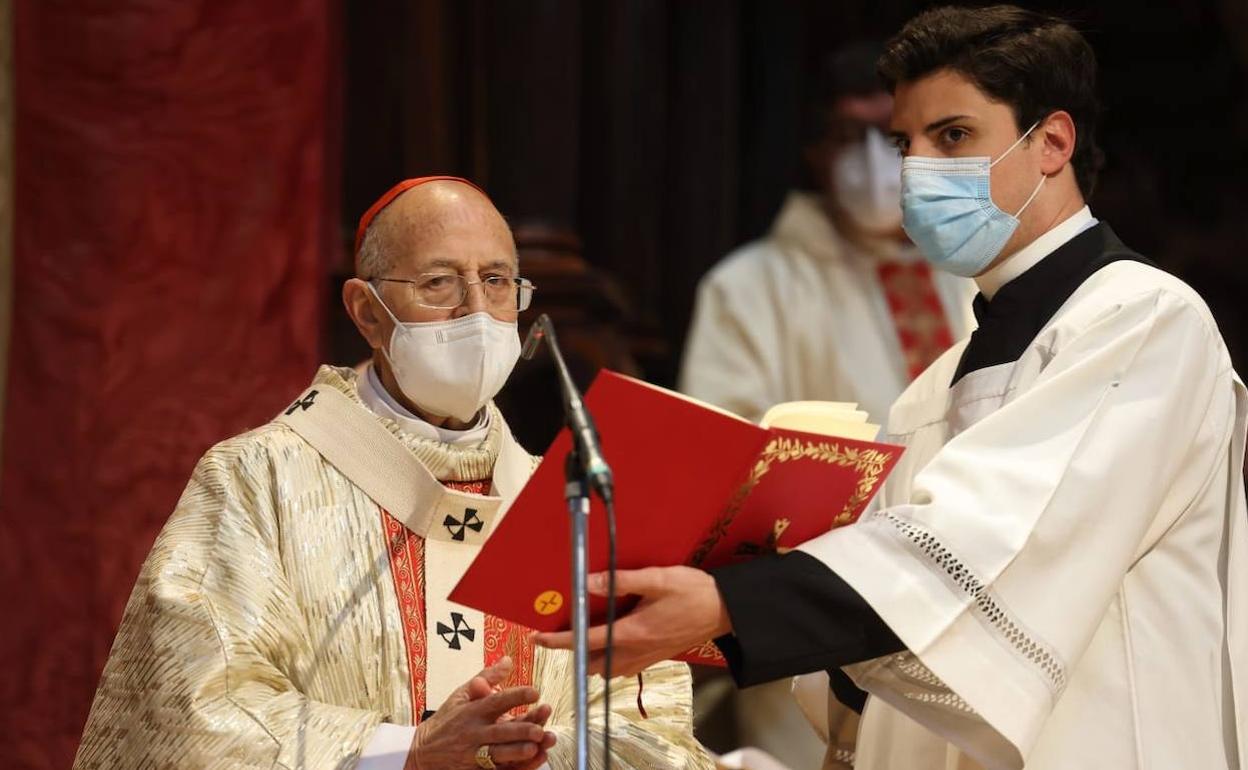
293,611
1057,575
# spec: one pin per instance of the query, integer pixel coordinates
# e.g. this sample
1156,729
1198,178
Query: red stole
407,565
922,328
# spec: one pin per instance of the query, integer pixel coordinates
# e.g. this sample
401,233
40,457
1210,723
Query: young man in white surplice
1057,575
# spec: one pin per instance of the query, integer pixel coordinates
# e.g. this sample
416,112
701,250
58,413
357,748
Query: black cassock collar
1020,309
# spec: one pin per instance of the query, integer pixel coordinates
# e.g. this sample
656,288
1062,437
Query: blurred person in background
834,304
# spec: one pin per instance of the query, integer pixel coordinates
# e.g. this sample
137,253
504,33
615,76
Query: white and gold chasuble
296,599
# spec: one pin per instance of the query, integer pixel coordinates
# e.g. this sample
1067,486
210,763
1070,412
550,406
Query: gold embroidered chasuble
277,620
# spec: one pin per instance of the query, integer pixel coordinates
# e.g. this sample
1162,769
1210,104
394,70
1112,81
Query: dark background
664,134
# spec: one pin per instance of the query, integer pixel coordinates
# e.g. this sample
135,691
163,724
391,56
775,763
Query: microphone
588,449
597,475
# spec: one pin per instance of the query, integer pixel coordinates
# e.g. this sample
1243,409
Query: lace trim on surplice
987,606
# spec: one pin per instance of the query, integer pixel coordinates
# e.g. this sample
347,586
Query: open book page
827,418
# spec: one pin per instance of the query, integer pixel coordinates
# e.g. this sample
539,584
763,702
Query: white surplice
801,314
1065,549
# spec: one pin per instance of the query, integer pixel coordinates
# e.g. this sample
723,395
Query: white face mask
452,368
866,178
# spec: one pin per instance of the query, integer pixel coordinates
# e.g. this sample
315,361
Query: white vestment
295,606
1062,549
801,315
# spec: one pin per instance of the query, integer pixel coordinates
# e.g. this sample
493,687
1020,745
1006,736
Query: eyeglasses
446,291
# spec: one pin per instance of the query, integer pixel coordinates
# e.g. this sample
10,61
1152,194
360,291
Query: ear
374,325
1058,134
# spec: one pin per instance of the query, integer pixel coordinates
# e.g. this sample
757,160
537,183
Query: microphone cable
609,503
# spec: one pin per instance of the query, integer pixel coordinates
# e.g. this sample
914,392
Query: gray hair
374,257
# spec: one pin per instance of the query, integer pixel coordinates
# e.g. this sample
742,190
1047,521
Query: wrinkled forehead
460,232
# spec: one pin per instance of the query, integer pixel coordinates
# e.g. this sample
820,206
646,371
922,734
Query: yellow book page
826,418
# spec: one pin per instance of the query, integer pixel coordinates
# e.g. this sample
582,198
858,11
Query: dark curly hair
1036,64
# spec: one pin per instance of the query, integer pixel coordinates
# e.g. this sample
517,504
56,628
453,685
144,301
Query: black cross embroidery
459,627
457,528
302,403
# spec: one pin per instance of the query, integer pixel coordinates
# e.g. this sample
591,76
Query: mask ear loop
397,324
384,306
1017,142
1034,193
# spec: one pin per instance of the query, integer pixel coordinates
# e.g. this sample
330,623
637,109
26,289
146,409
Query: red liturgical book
693,485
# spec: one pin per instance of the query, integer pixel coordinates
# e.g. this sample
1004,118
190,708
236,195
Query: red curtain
176,163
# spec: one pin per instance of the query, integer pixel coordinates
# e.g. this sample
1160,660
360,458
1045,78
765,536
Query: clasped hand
475,715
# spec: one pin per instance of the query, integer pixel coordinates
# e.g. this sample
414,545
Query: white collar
1030,255
377,398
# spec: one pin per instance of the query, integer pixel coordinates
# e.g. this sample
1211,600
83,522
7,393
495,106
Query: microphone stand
576,492
585,470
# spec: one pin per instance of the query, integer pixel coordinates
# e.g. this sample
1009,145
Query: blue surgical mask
947,210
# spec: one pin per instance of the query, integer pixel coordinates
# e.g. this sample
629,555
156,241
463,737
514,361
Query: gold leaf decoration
867,463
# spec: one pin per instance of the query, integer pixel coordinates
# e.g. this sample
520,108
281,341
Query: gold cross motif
548,602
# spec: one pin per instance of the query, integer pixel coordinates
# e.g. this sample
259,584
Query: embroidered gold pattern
407,563
867,463
293,576
705,652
